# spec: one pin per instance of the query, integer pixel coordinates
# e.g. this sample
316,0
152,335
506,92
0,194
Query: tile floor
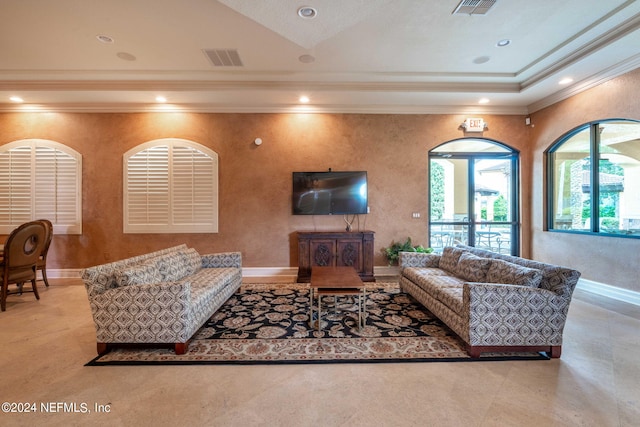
46,343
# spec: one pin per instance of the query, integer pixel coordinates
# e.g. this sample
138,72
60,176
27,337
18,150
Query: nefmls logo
67,407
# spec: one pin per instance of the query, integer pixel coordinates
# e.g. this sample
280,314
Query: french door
473,196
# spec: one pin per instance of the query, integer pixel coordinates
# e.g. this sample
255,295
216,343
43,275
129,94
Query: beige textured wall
255,182
609,260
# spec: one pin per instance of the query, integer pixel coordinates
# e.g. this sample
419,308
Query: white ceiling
371,56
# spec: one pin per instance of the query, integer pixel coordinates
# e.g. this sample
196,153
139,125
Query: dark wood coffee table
336,281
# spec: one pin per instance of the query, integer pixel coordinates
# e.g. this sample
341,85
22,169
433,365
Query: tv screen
329,193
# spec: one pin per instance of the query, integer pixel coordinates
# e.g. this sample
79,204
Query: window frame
74,227
171,227
594,175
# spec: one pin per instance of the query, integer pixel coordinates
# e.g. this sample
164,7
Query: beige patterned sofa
494,302
162,297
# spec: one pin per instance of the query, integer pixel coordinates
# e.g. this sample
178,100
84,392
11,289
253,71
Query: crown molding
610,73
623,30
244,75
262,109
241,85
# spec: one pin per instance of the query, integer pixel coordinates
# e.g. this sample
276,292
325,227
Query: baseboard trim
68,273
290,274
270,274
386,271
613,292
251,274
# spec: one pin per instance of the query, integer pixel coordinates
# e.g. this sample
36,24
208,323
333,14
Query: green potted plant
393,252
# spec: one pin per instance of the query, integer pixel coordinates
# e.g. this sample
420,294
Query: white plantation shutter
148,187
15,187
40,179
194,184
171,186
56,189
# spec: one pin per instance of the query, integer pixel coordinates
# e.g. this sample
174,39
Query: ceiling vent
223,57
474,7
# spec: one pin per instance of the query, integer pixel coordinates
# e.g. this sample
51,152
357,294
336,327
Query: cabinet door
349,253
323,252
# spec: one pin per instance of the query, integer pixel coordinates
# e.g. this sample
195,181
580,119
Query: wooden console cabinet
339,248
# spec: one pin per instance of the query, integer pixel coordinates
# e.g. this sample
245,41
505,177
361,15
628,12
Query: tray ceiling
372,56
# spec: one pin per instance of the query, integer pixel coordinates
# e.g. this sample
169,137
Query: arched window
40,179
593,181
473,195
170,186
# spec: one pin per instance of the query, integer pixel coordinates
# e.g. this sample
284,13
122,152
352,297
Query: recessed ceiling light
104,38
306,59
565,81
307,12
126,56
481,59
16,99
303,99
161,98
483,101
503,43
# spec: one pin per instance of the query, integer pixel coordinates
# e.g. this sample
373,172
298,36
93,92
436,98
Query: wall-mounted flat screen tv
330,193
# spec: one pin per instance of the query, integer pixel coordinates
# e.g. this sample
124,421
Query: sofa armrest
159,296
505,314
418,259
222,260
155,312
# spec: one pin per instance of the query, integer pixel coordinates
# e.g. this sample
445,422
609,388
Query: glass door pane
449,207
493,201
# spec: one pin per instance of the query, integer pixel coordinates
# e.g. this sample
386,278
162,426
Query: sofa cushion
446,289
138,274
207,283
558,279
100,278
416,274
172,267
193,260
449,259
472,267
506,272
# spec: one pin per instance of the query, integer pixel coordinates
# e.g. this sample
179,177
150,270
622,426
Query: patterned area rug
270,324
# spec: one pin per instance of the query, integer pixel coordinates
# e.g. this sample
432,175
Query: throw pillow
502,271
193,260
138,274
449,259
472,267
172,267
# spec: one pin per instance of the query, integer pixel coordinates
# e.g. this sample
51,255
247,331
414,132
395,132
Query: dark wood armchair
21,252
42,260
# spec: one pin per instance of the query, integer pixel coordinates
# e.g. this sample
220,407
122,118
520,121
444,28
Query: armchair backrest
48,237
22,249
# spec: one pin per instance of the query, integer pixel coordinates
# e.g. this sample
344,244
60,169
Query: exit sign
474,125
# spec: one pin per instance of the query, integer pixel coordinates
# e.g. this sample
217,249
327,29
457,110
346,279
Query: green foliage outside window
500,209
437,190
